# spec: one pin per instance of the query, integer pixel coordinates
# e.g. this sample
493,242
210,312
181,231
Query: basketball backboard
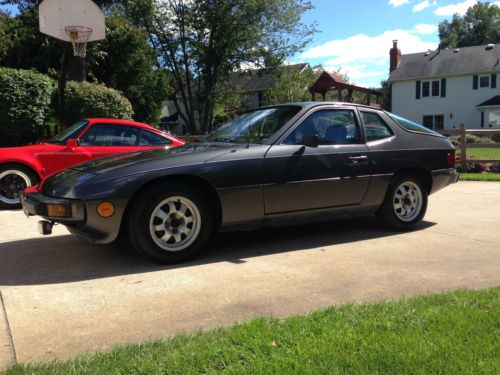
57,15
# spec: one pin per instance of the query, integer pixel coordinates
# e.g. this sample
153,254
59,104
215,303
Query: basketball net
79,36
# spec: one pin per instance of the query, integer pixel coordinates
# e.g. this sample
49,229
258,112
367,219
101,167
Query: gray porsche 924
291,163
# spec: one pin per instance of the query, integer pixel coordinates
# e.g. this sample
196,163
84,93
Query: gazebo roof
332,81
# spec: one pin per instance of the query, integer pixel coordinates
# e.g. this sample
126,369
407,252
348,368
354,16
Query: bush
470,138
25,98
84,99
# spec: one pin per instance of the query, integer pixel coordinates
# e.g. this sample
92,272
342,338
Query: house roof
258,79
495,101
445,62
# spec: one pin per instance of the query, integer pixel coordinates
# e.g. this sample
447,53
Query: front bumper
36,203
443,177
83,220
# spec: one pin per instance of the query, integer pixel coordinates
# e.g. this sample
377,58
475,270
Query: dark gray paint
259,185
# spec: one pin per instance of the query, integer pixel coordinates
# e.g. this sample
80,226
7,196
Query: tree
387,98
125,61
480,25
201,42
291,84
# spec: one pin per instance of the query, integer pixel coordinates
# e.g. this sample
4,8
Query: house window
428,121
425,88
494,118
432,88
435,122
435,88
484,81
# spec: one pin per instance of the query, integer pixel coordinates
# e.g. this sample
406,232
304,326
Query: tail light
451,159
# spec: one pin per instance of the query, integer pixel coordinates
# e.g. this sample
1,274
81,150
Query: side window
115,135
88,138
375,127
331,126
153,139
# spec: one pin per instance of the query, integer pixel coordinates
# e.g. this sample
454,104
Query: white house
444,88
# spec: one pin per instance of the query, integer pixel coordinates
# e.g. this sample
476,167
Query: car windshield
71,133
253,127
410,125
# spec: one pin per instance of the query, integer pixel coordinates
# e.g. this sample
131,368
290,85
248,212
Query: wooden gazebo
332,82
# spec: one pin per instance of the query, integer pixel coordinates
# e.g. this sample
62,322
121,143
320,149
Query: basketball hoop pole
78,22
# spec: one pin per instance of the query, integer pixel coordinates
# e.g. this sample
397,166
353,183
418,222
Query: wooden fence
462,132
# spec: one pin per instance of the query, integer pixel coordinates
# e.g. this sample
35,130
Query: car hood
135,163
142,161
31,148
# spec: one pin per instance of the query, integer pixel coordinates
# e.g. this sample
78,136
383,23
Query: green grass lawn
455,333
479,176
483,153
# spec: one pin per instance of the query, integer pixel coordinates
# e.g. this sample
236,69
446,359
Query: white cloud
451,9
366,58
423,5
425,28
362,48
398,3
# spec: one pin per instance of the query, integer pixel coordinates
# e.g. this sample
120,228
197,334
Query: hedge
84,99
25,99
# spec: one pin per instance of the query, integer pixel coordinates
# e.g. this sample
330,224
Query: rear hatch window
412,126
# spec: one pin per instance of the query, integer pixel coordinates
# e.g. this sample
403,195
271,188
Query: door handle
355,160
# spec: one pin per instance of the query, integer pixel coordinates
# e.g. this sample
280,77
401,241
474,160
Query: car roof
321,104
120,122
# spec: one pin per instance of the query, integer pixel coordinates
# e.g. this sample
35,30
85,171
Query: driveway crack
10,338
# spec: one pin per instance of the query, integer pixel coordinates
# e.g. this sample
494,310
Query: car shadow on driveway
61,259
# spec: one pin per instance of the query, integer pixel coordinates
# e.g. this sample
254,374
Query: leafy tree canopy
292,84
201,42
480,25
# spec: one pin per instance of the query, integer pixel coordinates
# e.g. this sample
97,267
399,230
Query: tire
13,179
405,203
170,223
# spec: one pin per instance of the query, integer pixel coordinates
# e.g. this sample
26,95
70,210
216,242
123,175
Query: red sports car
21,167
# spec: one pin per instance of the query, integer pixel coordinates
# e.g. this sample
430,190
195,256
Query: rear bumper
83,220
443,177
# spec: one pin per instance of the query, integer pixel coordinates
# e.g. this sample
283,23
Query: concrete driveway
61,297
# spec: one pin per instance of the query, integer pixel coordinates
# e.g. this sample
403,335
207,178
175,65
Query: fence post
463,148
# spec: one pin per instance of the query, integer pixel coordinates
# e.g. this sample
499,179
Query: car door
69,156
110,139
335,173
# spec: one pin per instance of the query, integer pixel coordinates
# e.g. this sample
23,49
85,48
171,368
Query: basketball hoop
79,36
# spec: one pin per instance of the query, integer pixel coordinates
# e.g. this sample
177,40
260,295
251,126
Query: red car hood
46,147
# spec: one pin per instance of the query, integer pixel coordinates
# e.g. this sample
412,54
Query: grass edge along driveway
446,333
479,176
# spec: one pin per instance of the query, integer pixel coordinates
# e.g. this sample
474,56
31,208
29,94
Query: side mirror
72,143
311,141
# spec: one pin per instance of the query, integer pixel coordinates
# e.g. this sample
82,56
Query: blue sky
356,35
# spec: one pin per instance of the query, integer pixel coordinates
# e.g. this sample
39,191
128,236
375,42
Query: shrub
470,168
25,98
470,138
84,99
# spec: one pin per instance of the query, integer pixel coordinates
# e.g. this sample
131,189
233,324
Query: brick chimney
395,54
